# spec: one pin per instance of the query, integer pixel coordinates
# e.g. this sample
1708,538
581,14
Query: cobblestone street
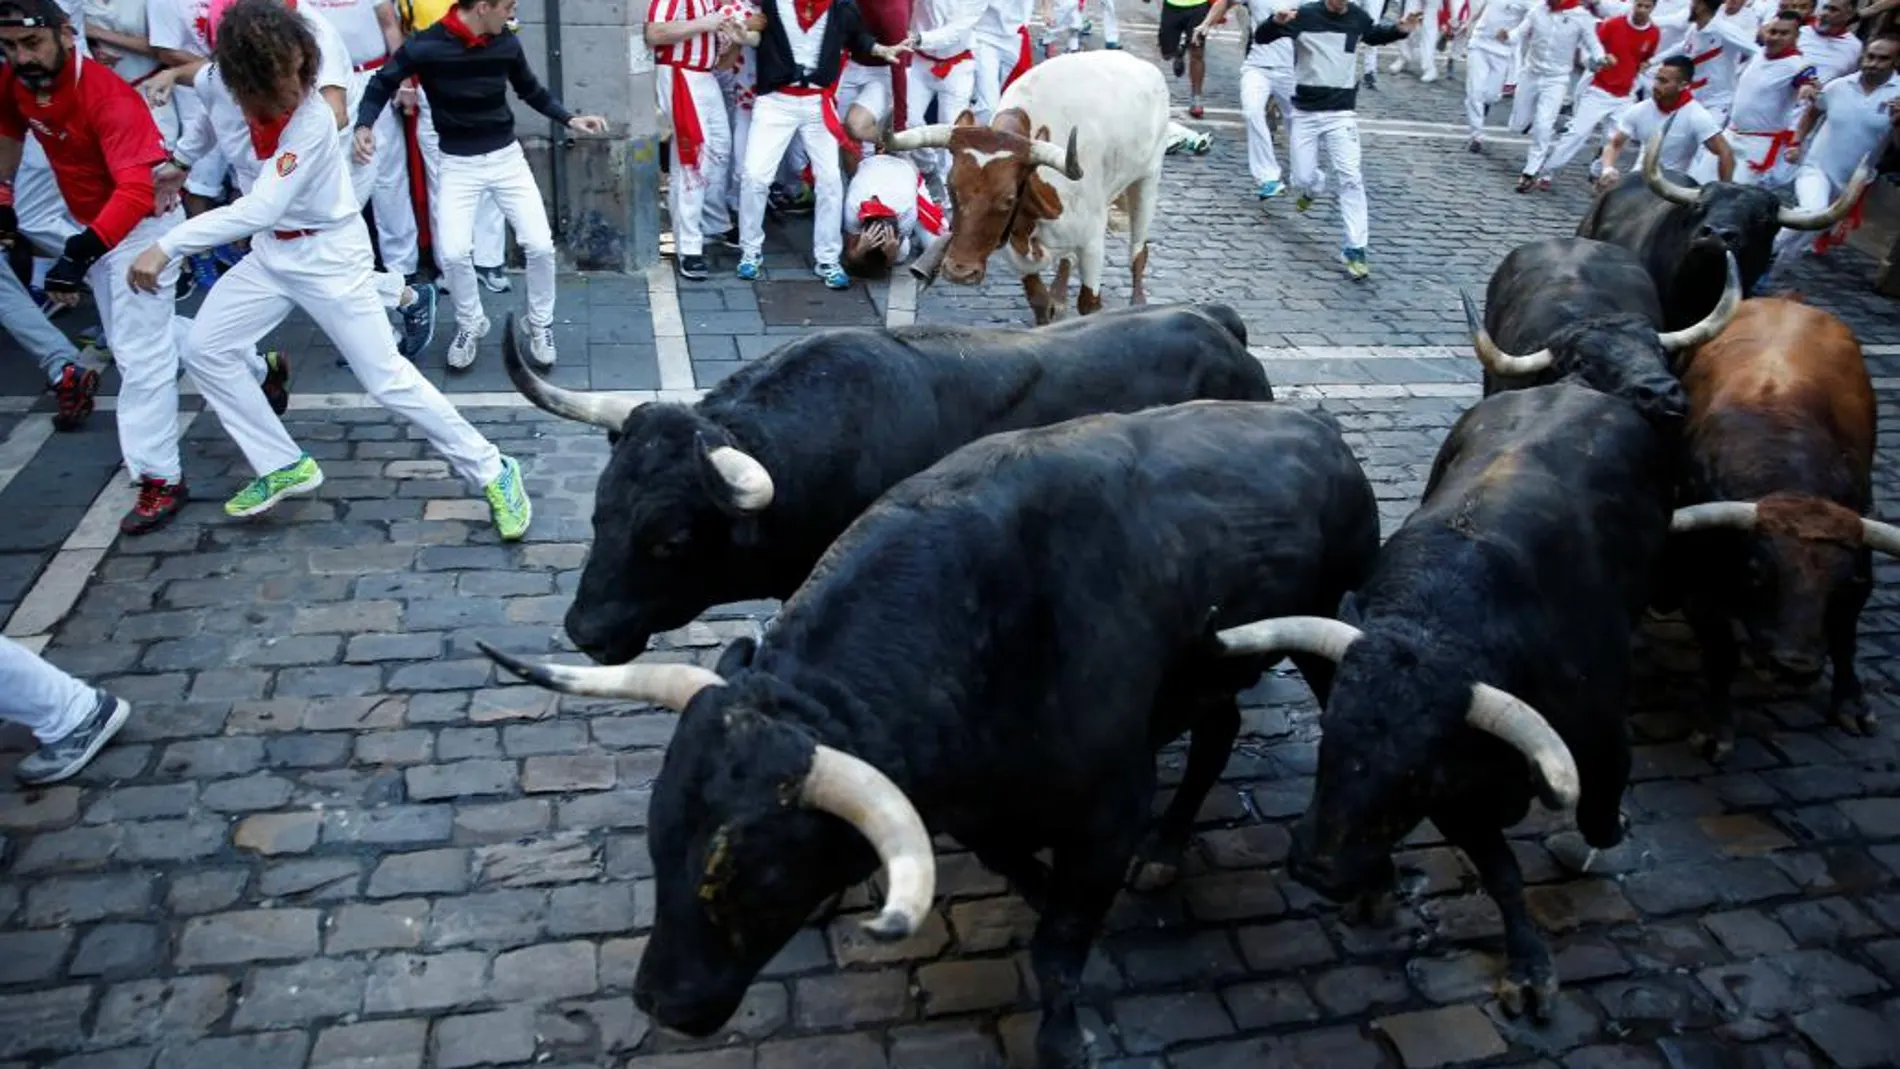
334,835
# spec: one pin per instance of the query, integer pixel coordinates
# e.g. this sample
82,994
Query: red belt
372,64
1778,140
293,235
828,97
941,66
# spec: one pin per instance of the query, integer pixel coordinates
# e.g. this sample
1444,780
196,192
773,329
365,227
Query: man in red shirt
99,137
1632,39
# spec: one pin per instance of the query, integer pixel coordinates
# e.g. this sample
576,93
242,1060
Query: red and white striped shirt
694,53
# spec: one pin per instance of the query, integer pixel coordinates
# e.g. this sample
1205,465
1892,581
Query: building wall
605,213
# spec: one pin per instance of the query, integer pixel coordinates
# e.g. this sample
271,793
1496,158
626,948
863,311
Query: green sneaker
508,501
272,486
1304,202
1356,265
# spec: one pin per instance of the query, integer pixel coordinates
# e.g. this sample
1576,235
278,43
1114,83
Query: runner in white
1555,30
1766,104
180,34
1686,125
1829,43
1488,62
1720,38
1631,40
943,69
685,36
1855,113
1267,74
370,33
1002,52
888,216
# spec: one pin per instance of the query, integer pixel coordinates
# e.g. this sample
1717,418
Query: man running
1266,75
1687,127
1555,30
1855,114
1488,61
1179,45
1630,41
1767,103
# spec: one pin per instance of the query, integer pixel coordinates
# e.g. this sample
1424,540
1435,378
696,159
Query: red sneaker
158,502
74,390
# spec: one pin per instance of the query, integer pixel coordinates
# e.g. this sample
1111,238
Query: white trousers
139,329
1548,99
952,92
1421,47
1337,133
39,696
389,188
1595,108
1813,189
1746,148
491,237
1257,86
776,119
465,183
206,178
1485,72
993,64
329,276
694,211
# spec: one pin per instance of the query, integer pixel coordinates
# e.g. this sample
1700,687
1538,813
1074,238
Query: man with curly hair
309,249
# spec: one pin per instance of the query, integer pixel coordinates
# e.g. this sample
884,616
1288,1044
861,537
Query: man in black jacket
466,62
798,60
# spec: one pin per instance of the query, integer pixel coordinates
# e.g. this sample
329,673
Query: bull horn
1495,712
669,685
1496,360
1740,515
1677,341
1044,154
936,135
750,483
598,409
1321,635
1822,218
855,792
1884,537
1653,176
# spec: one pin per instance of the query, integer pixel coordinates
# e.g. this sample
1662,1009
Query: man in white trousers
466,63
1830,43
1326,35
1855,113
491,229
1767,104
179,33
888,216
798,62
71,721
310,250
1672,110
1630,40
1422,47
1002,52
685,36
1267,74
1719,39
1488,62
1554,30
370,32
942,69
102,145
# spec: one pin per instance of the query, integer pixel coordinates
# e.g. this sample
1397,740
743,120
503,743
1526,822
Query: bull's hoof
1528,986
1065,1048
1374,909
1155,865
1714,746
1853,717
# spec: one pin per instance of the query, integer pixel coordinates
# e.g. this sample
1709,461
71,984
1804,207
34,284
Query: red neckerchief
265,133
1566,5
873,209
809,12
1681,98
452,21
1780,55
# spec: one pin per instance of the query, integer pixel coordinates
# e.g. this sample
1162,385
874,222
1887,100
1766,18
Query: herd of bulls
1015,563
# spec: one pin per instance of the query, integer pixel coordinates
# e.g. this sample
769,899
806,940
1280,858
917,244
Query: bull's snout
603,641
1663,399
688,1016
1728,236
963,272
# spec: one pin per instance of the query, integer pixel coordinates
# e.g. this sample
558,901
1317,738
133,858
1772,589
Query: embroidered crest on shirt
286,163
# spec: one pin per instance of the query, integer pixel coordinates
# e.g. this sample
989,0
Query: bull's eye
671,545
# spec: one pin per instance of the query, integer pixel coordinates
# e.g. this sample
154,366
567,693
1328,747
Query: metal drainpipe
558,134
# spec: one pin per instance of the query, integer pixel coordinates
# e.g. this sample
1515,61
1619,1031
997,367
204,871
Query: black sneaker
693,267
730,239
1180,62
276,384
55,761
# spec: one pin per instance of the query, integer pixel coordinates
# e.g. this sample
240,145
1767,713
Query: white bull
1012,188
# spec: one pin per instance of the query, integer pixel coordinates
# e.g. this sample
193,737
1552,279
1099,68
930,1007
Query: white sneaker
1395,66
540,346
462,349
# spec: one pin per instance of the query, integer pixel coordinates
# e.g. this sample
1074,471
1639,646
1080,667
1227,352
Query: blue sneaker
228,255
751,267
834,276
204,270
1271,188
418,321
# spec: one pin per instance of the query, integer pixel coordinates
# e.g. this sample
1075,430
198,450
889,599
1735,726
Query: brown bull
1780,449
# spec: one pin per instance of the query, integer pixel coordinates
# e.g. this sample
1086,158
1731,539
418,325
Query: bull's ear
737,656
966,117
1348,609
1041,198
745,531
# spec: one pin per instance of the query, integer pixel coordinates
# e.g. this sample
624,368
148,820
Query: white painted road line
23,445
901,299
669,328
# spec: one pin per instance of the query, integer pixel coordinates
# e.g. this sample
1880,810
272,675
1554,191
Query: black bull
1486,659
1681,231
736,496
993,651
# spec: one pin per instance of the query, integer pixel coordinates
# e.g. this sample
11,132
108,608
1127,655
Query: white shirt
1691,129
1833,57
1856,123
945,27
1718,50
1672,23
123,16
1555,37
1277,55
356,21
1000,21
304,184
220,122
1765,92
804,43
180,25
1497,15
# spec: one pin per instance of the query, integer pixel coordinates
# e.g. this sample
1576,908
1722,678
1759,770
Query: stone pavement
333,835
